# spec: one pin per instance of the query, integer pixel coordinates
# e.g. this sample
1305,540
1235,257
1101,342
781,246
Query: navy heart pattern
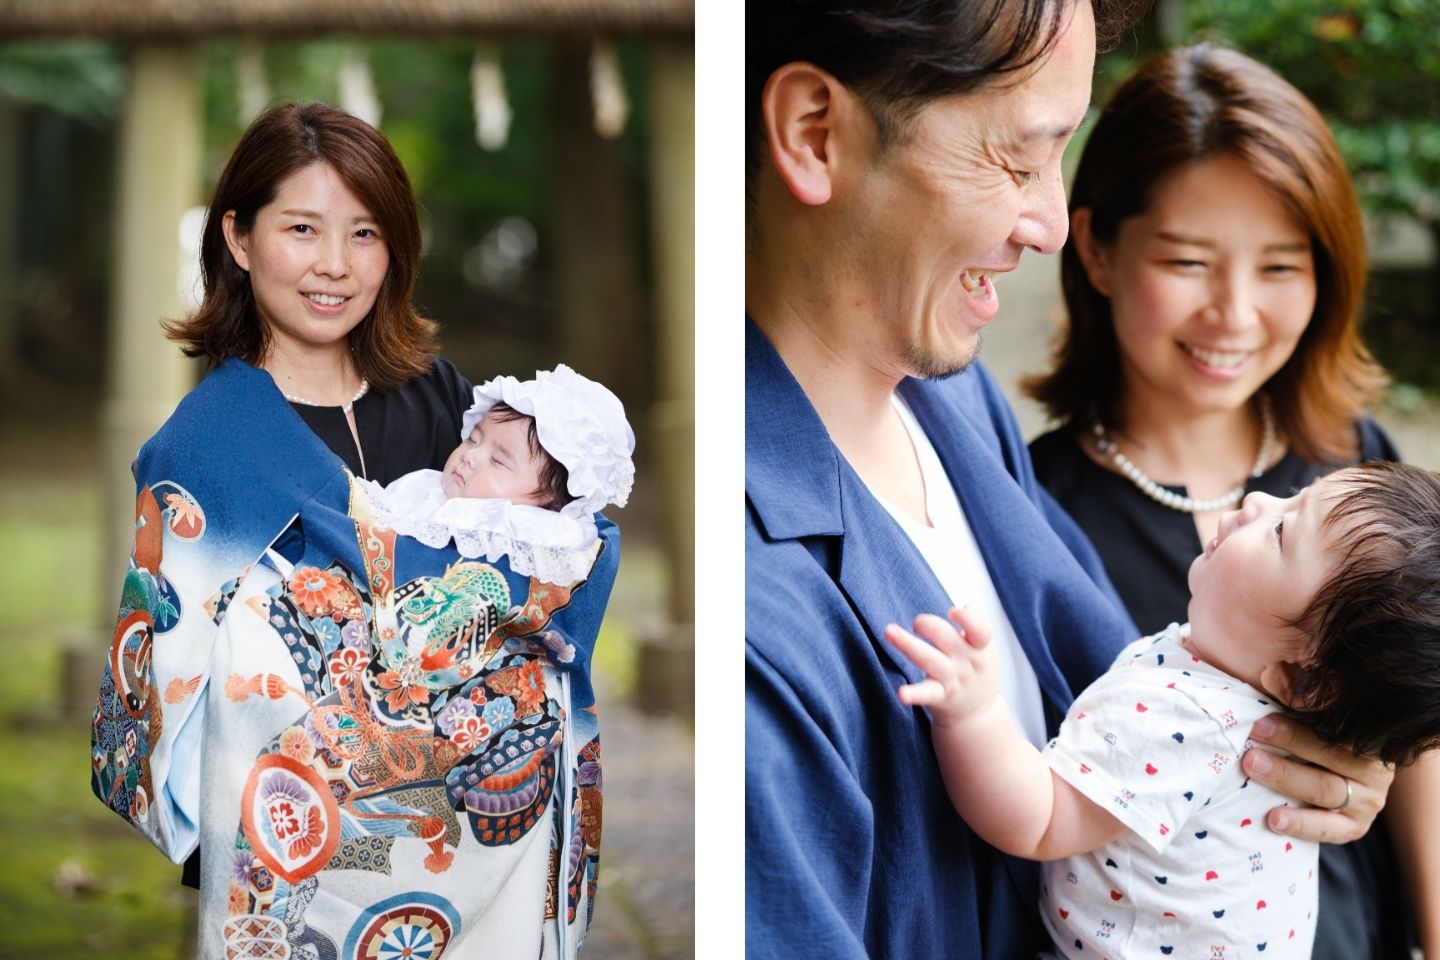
1167,950
1189,795
1162,879
1110,863
1217,914
1202,834
1178,737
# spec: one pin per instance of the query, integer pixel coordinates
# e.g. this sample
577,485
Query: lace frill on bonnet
579,423
543,544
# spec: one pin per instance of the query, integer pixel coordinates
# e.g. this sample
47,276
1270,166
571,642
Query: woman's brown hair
393,344
1185,106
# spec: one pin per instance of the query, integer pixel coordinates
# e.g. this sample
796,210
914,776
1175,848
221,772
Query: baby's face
1264,567
495,463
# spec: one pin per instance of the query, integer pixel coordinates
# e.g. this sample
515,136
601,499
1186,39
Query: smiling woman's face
1210,289
316,259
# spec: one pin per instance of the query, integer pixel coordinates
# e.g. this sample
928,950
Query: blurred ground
646,904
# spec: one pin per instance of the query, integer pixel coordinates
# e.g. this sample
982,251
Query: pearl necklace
345,407
1176,501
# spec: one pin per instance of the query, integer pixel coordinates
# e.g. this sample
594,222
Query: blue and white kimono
385,749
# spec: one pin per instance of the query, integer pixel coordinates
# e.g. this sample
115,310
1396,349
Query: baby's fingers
944,635
917,651
972,625
926,693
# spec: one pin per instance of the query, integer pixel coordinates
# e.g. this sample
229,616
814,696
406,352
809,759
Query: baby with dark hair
536,460
1325,605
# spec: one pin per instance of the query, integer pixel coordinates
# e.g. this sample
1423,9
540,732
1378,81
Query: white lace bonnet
579,422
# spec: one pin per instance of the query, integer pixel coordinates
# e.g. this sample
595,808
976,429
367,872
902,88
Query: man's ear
803,108
235,240
1094,256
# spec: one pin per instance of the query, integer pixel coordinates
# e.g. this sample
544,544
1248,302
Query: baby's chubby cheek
448,481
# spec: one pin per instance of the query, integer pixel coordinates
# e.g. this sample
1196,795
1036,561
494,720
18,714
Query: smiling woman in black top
309,257
1213,283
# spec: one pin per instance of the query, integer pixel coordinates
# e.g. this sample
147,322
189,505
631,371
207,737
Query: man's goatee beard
924,365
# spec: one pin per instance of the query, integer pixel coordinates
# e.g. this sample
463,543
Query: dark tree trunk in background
592,229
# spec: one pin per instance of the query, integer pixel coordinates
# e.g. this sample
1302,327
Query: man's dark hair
554,479
900,54
1374,681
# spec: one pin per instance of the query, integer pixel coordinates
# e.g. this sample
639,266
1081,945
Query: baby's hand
963,669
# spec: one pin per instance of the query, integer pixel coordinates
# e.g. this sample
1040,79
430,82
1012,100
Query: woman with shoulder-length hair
384,748
1213,286
309,257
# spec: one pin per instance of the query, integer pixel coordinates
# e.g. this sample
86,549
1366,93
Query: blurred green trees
1373,69
82,79
500,224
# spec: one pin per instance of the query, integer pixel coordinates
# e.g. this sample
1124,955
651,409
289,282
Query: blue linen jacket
852,846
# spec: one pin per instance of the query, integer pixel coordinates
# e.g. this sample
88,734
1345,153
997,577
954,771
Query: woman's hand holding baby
1316,778
962,669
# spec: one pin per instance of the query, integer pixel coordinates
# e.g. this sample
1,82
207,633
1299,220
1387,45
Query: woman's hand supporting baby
1316,778
997,780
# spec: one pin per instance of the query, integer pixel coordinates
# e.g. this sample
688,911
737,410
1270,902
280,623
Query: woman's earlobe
235,241
1094,257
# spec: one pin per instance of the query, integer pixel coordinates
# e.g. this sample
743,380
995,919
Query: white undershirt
949,547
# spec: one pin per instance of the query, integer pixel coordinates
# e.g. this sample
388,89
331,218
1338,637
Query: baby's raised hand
962,669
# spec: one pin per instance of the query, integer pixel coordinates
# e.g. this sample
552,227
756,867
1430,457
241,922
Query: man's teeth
976,284
327,300
1222,359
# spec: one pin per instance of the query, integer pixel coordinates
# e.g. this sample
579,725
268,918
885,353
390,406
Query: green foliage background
1373,69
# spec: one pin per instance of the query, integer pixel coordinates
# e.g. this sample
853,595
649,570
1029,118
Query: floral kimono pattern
385,749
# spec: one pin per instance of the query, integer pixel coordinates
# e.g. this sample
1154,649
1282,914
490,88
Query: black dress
414,427
1147,549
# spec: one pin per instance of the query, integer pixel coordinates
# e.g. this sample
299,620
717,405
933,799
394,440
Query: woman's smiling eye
1280,530
303,228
